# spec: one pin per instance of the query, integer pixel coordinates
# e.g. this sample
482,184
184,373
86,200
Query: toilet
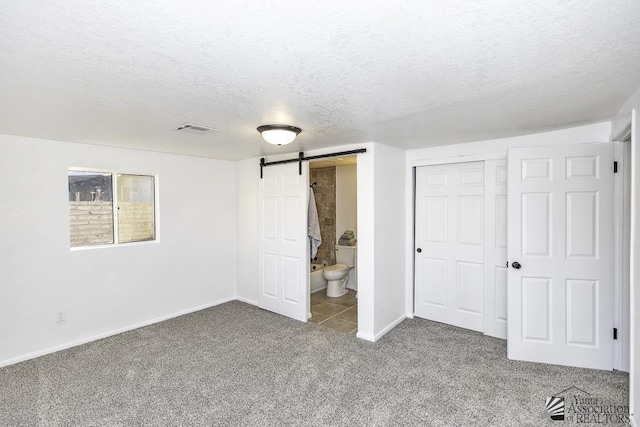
337,275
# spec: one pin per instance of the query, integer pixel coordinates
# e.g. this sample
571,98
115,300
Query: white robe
315,239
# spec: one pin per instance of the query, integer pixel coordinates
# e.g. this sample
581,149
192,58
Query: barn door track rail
302,158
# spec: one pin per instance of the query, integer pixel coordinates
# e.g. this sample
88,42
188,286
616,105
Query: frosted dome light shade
279,134
278,137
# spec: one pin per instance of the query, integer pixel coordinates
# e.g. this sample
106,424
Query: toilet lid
336,267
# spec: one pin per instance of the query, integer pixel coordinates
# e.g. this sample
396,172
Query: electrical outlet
61,316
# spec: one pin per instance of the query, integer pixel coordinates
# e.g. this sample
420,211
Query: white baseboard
247,300
318,289
49,350
376,337
366,337
389,327
102,335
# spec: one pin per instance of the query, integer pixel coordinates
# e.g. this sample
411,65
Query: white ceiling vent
195,129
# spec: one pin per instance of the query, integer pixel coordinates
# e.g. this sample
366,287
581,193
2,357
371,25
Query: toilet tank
346,255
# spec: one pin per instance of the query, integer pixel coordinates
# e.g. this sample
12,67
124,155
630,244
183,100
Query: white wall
634,377
628,114
247,176
366,242
346,199
106,290
482,150
389,219
598,132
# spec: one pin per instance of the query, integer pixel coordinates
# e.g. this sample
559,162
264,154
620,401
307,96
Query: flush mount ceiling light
279,134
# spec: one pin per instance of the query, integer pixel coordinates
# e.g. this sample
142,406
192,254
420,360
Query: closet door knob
516,265
418,250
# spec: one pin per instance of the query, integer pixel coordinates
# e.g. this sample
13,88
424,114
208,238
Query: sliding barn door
449,244
283,244
560,202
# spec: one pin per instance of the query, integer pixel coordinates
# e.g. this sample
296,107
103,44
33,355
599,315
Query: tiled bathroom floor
339,313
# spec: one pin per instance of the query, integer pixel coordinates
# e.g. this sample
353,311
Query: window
136,210
97,198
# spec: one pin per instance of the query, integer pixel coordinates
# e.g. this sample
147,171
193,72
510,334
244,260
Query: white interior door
495,253
449,244
560,231
283,264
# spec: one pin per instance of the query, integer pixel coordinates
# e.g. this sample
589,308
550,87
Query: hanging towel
315,239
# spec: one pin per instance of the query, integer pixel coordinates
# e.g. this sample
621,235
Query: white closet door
449,244
495,274
283,264
561,237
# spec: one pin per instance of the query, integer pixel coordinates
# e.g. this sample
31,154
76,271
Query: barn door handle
516,265
419,250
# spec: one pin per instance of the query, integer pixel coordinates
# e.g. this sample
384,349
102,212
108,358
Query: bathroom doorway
333,273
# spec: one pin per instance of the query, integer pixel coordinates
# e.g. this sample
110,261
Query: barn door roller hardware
302,158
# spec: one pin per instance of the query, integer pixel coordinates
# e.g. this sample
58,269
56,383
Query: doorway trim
622,246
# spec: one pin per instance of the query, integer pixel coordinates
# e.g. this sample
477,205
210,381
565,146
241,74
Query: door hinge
615,333
615,167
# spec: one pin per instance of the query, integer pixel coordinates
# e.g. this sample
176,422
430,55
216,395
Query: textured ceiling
413,73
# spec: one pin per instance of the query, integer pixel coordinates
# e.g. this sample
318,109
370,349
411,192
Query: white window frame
114,185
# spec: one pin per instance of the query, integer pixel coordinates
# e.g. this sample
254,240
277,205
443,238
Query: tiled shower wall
325,193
